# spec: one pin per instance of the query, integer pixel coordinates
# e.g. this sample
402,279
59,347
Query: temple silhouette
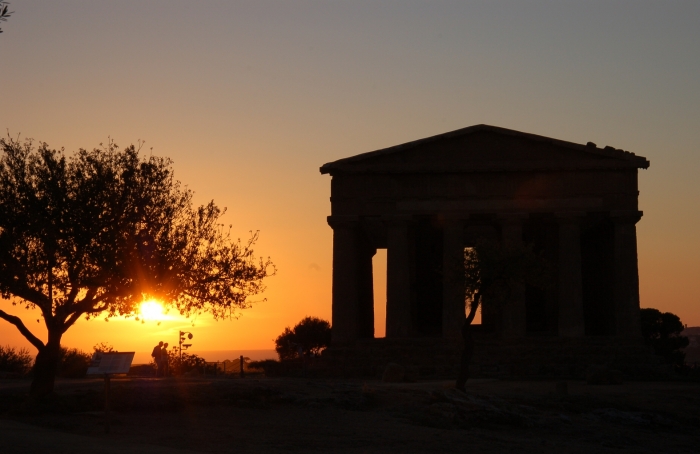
426,201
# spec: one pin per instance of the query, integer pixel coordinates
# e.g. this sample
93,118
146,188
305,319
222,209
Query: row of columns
626,274
353,287
353,300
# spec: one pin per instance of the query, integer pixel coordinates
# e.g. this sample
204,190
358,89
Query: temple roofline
626,158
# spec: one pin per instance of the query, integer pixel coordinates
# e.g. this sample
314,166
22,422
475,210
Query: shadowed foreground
299,415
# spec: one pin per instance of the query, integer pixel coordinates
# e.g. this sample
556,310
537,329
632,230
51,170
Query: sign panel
110,363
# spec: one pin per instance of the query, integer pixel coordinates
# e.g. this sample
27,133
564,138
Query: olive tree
95,233
496,274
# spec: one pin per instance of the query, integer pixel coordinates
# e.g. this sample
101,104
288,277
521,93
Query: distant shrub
190,363
103,347
17,362
274,368
73,363
662,332
270,367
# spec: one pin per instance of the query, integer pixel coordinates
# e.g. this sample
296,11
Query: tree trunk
46,366
468,348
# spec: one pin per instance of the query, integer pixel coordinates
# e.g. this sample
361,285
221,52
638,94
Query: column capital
626,216
343,221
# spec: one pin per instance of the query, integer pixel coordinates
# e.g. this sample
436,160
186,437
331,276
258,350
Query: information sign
110,363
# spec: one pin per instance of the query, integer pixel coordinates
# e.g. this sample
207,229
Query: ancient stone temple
426,201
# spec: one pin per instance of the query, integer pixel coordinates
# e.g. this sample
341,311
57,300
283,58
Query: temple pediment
484,148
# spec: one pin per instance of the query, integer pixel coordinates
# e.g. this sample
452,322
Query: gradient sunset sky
251,98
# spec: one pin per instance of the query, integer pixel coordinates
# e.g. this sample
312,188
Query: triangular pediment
485,148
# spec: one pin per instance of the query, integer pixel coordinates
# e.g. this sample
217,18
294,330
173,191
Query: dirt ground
269,415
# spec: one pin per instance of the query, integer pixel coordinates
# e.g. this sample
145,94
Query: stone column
365,303
398,279
571,321
347,282
453,279
514,315
627,321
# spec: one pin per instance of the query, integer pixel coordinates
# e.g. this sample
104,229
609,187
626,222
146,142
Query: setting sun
152,310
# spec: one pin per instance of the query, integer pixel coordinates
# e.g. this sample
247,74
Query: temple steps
527,358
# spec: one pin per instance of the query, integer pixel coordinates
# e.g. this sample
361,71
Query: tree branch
35,341
33,296
70,320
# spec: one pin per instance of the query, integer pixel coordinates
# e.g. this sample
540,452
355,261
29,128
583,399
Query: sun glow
152,310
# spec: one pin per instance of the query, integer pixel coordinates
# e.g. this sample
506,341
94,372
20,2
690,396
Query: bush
73,363
15,362
274,368
103,347
309,337
662,332
191,363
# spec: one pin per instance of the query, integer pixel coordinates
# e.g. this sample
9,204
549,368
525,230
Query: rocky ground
313,415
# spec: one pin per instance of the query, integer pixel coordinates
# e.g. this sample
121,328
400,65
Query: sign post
182,343
107,364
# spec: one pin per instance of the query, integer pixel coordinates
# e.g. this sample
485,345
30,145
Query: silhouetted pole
242,373
468,346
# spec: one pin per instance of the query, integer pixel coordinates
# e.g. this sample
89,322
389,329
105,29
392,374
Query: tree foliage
4,12
495,274
96,233
308,337
662,332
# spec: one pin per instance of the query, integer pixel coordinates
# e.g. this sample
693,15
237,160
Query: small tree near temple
308,337
662,332
96,233
495,275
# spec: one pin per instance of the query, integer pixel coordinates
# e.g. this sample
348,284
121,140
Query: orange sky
251,98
